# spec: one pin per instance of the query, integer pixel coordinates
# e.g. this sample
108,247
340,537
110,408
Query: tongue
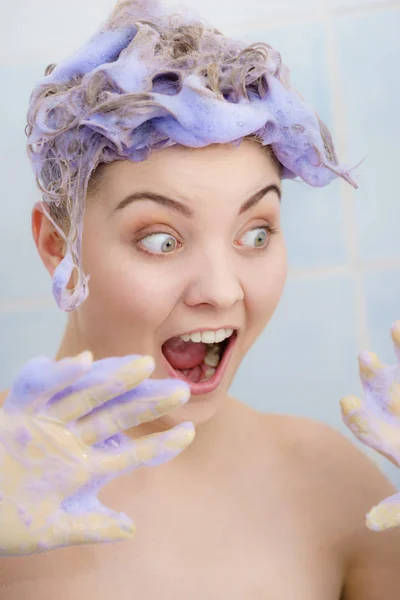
184,355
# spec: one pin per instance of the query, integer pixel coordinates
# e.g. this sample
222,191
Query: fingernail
168,404
84,358
350,404
395,330
369,364
142,366
181,438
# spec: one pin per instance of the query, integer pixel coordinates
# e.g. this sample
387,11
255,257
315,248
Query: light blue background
343,291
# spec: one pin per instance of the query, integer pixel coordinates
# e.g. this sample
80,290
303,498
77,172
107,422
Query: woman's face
206,259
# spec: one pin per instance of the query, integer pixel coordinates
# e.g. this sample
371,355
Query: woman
187,264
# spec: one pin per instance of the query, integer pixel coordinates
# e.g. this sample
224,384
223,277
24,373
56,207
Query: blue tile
354,4
45,26
312,218
391,471
25,335
382,296
312,224
21,271
224,13
303,50
368,47
306,359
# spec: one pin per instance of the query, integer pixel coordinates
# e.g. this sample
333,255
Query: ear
49,243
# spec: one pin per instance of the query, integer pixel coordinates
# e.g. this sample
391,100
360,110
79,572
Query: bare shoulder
324,450
324,455
343,485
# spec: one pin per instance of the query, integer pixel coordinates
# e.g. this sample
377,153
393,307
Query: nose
215,281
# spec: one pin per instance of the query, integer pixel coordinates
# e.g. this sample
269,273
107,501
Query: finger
395,333
150,450
358,420
89,528
372,431
380,384
41,378
372,371
386,515
393,398
99,373
150,400
105,387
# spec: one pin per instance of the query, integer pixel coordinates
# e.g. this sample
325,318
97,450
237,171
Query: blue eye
257,238
159,243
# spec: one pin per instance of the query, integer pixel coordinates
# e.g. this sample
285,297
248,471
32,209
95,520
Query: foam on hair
151,77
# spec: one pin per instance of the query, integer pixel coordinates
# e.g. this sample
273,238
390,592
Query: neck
71,343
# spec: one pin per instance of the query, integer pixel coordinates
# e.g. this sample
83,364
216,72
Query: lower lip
197,389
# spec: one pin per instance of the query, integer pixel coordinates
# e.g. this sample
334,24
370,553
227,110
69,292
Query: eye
159,243
256,238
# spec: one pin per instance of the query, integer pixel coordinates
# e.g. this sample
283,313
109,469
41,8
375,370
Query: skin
260,496
186,290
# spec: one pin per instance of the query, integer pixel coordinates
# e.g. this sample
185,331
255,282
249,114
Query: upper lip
201,329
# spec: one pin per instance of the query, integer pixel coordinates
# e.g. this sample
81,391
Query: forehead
216,169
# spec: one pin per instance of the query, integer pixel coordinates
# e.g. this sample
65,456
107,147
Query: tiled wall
343,291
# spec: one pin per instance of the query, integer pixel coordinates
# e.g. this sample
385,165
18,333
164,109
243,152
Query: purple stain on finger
23,436
39,379
102,371
149,389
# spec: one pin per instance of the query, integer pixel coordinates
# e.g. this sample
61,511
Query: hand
375,421
60,442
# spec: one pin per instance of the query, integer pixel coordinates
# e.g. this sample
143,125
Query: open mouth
201,364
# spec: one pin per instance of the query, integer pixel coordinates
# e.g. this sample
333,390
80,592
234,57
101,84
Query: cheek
123,288
264,287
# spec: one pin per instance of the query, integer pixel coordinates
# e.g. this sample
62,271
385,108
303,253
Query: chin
198,410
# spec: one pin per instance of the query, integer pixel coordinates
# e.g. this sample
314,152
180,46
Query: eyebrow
187,212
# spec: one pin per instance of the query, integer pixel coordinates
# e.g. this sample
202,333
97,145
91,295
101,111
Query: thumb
94,528
386,515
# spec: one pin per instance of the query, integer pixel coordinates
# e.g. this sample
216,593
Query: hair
60,213
150,78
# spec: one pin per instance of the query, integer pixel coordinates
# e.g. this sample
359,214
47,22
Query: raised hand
60,442
375,421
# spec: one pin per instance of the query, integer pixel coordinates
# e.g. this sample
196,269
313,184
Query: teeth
219,335
209,372
212,357
195,337
208,337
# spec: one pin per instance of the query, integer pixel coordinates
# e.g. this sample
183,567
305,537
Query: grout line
317,272
231,29
265,24
320,15
355,266
346,192
366,9
25,304
359,267
9,306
